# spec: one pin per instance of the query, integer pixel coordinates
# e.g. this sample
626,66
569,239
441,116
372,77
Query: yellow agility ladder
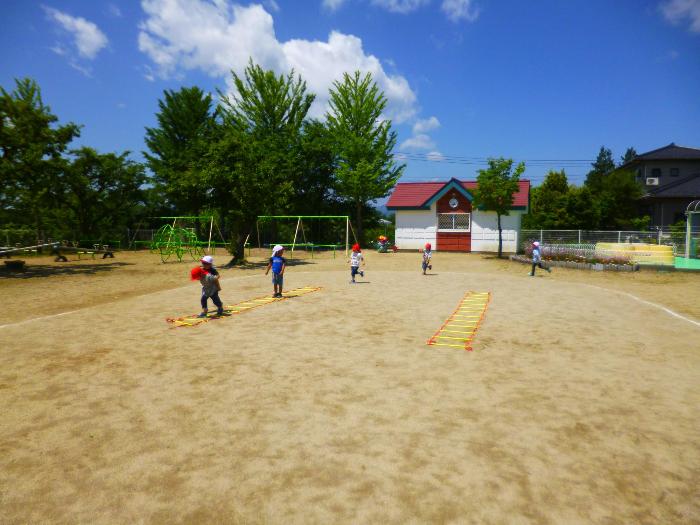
239,308
460,328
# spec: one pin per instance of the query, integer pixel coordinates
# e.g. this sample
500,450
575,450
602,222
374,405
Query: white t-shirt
356,258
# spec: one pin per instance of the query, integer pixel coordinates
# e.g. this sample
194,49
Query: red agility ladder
460,328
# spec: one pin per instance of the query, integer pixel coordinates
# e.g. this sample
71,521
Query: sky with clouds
547,82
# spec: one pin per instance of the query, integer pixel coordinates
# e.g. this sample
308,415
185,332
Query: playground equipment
177,238
280,224
239,308
460,328
692,230
638,253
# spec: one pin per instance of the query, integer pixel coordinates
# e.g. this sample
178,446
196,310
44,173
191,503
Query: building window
454,221
674,172
656,172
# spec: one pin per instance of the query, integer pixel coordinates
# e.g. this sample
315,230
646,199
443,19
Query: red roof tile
416,194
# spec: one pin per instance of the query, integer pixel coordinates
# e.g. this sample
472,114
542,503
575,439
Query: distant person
208,276
427,256
356,259
277,264
537,259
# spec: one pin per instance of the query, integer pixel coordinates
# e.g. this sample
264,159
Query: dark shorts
278,279
354,270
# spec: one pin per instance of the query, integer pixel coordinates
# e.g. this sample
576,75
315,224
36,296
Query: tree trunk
358,218
500,237
238,244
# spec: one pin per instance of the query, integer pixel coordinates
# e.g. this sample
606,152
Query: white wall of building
485,231
415,227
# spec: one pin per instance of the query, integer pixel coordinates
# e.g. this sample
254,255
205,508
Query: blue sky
466,79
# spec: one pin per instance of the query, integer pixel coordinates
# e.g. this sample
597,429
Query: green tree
315,190
31,161
548,203
582,209
496,186
254,166
629,156
103,192
618,199
186,127
364,143
603,165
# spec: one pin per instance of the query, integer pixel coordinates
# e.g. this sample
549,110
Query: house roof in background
686,187
414,195
670,152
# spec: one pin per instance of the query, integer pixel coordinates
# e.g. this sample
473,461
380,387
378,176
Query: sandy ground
579,404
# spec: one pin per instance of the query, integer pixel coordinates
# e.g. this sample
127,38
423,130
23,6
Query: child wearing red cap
427,255
356,259
208,277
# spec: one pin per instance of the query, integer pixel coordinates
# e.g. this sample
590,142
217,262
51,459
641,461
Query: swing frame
300,226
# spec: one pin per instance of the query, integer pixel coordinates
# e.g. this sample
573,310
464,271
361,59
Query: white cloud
217,36
457,10
420,141
400,6
89,40
435,156
676,11
332,5
272,5
114,10
423,125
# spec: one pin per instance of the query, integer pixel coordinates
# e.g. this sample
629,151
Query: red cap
356,248
427,246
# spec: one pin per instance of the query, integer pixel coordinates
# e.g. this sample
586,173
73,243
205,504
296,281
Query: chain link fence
673,237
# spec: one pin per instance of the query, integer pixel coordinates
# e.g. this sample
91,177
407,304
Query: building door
454,223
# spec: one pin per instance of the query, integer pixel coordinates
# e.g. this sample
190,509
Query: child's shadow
431,274
362,282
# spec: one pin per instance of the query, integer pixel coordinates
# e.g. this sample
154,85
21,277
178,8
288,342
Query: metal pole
687,236
579,236
295,238
541,236
619,236
211,227
347,235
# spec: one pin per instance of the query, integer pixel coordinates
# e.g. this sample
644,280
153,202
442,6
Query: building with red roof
441,213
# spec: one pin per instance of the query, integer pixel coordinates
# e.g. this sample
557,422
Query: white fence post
579,236
659,241
540,236
619,237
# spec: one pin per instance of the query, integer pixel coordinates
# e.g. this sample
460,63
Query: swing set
270,228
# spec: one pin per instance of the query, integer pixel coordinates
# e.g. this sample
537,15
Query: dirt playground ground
580,402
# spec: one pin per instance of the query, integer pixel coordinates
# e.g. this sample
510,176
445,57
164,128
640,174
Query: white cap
277,248
207,259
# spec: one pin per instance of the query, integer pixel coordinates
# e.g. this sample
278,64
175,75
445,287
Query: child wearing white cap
277,264
209,278
537,259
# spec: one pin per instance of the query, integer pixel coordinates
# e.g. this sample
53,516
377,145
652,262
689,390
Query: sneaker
430,267
220,311
352,282
280,296
202,315
362,274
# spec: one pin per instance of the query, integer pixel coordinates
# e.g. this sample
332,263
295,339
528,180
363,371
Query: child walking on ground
208,276
537,259
427,255
277,264
356,259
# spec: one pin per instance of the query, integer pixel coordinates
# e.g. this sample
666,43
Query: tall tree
254,166
548,203
103,192
629,156
186,126
496,186
31,161
364,142
603,165
618,199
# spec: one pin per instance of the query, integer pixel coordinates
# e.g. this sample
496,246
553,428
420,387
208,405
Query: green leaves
495,188
364,143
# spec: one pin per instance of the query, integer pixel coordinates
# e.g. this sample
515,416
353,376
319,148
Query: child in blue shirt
277,264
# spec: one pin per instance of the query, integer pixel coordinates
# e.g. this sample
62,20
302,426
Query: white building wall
415,227
485,231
